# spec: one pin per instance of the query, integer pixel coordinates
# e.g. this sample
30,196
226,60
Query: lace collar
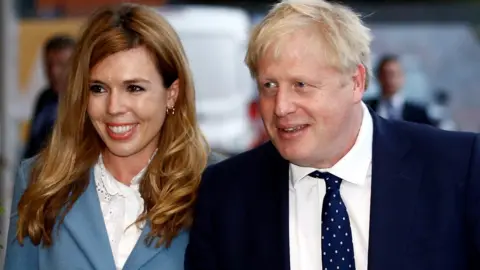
106,183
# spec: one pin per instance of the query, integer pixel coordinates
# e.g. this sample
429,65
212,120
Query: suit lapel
85,224
271,207
396,175
282,176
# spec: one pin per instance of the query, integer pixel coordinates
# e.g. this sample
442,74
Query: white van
215,41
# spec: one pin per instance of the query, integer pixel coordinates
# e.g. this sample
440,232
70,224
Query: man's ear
359,82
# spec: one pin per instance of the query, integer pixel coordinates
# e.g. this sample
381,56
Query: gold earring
171,110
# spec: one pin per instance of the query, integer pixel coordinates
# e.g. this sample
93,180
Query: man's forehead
61,51
297,47
59,54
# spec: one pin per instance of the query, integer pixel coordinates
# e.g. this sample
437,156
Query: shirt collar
396,100
353,167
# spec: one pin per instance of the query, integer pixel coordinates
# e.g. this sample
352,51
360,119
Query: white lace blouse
121,205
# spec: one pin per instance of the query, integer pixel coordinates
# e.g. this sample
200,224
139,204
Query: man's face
391,78
307,106
56,67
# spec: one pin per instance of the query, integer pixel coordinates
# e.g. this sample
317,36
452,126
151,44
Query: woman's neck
124,169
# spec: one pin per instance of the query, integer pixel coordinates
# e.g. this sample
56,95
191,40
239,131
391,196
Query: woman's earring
171,110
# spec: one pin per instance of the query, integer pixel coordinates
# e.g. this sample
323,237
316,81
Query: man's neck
355,125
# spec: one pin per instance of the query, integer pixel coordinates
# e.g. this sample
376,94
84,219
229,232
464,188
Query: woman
115,186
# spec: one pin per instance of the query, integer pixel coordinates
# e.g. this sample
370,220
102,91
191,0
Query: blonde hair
347,39
61,172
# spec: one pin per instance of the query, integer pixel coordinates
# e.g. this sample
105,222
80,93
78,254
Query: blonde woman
115,186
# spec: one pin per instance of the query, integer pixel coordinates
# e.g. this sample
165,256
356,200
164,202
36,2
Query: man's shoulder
236,175
243,169
46,94
43,97
435,140
246,161
371,101
215,157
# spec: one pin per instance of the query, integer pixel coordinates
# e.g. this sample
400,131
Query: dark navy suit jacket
425,205
411,112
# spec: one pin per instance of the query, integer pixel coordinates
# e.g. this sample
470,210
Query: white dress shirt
306,198
121,205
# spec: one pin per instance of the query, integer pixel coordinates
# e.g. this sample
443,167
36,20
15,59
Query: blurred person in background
392,104
57,53
439,110
115,185
338,187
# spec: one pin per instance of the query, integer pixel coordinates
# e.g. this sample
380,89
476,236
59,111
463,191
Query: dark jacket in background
411,112
43,120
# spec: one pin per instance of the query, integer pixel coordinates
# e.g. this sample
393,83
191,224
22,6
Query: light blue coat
82,240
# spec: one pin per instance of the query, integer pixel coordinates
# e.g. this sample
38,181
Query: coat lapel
271,219
396,175
142,253
85,224
282,175
169,257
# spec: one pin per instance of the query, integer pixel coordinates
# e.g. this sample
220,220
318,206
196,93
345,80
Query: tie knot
331,181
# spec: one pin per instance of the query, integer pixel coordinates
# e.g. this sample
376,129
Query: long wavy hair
60,173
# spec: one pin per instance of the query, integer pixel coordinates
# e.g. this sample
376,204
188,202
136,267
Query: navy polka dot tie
337,245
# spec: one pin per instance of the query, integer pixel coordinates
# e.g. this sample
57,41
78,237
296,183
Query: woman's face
128,102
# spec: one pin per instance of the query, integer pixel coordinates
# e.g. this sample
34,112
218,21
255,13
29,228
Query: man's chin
294,154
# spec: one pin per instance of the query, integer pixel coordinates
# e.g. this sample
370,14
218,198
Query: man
392,104
338,187
57,52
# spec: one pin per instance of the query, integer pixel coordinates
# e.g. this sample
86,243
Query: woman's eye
135,88
95,88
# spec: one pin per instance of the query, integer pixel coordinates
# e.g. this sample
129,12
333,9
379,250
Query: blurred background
435,45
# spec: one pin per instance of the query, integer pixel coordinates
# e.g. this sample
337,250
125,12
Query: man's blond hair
346,38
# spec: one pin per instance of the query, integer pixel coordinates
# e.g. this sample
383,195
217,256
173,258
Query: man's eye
269,85
300,84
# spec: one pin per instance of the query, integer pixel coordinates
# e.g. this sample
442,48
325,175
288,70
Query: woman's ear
172,94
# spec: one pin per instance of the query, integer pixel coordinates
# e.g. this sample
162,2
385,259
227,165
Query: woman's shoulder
25,168
26,164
